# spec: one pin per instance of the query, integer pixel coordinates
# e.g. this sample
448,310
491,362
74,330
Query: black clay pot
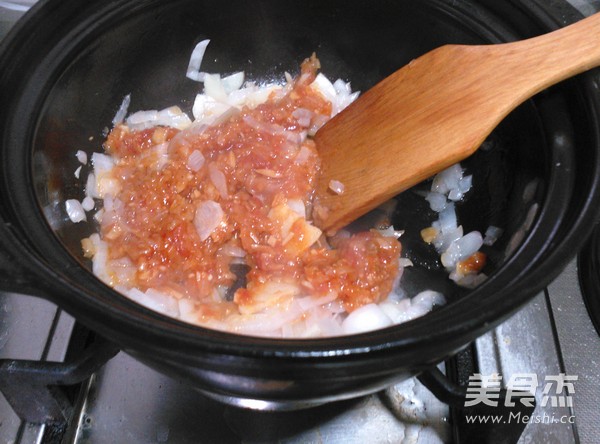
68,64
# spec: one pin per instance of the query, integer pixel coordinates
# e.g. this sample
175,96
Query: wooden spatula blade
434,112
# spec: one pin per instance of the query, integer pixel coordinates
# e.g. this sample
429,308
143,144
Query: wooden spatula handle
394,136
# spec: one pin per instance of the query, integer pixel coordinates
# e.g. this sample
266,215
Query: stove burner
588,264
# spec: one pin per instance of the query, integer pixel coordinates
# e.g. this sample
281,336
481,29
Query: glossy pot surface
67,67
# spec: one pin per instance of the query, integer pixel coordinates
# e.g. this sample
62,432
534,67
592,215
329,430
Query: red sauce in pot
192,203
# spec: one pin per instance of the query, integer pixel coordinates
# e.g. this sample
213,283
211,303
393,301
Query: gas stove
125,401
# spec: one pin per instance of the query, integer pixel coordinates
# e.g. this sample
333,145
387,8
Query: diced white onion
218,179
465,184
455,195
214,88
429,298
81,156
444,239
303,116
297,206
122,111
88,204
447,218
193,70
232,251
323,85
233,82
140,118
462,249
90,186
103,164
207,110
75,210
208,217
405,262
391,232
366,318
447,180
195,161
336,186
155,300
437,201
492,234
270,128
172,117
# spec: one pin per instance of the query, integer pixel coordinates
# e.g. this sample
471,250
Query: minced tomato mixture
202,208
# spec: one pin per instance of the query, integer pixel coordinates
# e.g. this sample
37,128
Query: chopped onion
303,116
336,186
103,164
405,262
142,118
251,95
492,234
444,239
154,300
391,232
462,249
213,87
122,111
366,318
193,71
318,121
447,218
465,184
218,179
344,96
208,217
232,251
77,172
172,117
324,86
207,110
270,128
75,210
447,180
81,156
233,82
306,303
88,204
455,195
90,186
437,201
297,206
101,182
429,298
195,161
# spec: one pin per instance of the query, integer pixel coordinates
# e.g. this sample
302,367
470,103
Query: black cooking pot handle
505,431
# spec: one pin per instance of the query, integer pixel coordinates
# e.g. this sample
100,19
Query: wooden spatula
437,111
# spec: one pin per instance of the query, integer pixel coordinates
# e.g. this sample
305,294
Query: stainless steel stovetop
128,402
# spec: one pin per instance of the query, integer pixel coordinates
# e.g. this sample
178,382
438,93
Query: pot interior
144,51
